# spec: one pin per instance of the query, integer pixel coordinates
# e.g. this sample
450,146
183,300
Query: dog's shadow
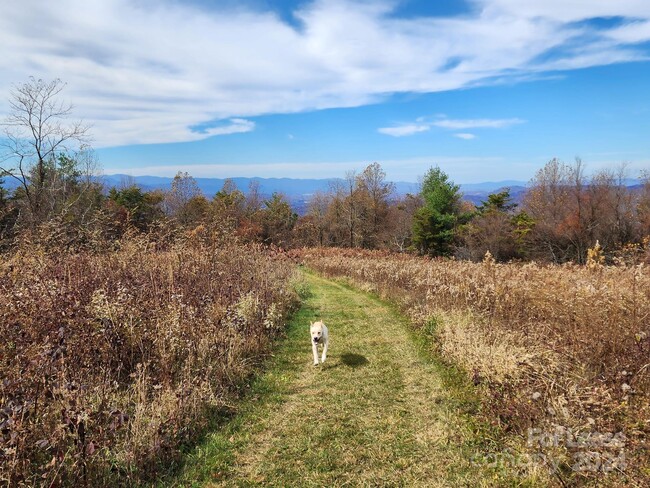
352,360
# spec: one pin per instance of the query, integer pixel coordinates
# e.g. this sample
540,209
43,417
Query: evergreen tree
497,202
435,224
143,207
278,220
493,228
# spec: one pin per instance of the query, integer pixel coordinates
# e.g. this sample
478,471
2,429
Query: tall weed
111,361
550,345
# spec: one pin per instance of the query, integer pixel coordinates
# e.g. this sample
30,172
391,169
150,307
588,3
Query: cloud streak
403,130
235,126
477,123
453,124
142,71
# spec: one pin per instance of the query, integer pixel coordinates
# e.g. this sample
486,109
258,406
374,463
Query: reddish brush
110,361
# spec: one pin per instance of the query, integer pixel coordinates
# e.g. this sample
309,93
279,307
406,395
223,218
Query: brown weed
549,345
111,361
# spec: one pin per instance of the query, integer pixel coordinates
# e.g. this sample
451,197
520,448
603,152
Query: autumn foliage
110,361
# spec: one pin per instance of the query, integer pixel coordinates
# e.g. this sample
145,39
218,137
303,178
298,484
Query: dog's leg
325,350
314,348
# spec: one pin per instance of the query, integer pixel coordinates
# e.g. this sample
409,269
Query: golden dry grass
548,345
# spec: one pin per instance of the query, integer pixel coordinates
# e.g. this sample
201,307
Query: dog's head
316,330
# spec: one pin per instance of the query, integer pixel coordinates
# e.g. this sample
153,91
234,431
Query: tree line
563,214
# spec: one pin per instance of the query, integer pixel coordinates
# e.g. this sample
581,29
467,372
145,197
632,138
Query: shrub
111,361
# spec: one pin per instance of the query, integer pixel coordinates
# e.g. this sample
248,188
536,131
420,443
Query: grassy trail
374,414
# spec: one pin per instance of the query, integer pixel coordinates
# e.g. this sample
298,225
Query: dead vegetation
110,361
552,347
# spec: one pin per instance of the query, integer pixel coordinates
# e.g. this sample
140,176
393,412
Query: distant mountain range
288,186
299,191
291,187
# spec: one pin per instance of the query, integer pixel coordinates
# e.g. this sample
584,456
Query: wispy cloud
403,130
476,123
144,71
422,125
234,126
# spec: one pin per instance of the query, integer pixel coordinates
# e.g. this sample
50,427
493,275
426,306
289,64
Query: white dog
319,336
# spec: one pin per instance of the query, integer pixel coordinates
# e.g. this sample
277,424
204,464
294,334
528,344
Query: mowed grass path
374,414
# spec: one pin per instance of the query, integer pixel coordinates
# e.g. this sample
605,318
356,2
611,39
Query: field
112,361
133,365
556,351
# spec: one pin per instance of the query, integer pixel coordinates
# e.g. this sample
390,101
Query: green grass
381,411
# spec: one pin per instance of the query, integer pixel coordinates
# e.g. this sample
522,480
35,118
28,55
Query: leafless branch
36,131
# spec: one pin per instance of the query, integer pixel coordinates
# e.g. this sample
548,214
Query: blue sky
487,89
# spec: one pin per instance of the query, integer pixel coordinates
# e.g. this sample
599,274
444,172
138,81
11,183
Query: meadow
555,351
117,360
113,361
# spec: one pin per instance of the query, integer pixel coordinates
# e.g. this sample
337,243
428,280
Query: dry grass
378,412
550,345
111,361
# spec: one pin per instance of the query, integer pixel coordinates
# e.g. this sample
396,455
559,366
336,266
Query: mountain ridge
300,190
288,186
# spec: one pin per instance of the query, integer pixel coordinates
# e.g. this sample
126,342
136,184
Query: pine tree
435,224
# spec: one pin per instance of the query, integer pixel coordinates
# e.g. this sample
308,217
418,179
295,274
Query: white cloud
234,127
403,130
465,135
631,32
145,71
568,10
476,123
423,125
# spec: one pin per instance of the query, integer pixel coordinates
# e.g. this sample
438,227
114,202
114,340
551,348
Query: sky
489,90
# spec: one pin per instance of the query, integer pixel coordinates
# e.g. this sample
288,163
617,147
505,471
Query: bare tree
317,210
351,206
184,188
35,134
643,205
400,217
126,181
549,202
573,212
375,192
254,198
